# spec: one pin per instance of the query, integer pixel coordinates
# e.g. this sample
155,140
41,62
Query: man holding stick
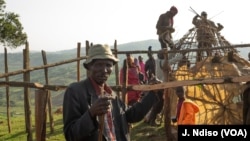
92,111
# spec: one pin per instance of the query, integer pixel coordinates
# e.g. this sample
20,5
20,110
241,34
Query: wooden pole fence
41,67
26,78
7,90
185,50
49,101
171,84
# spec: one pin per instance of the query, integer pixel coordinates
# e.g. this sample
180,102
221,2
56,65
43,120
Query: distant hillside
59,75
140,45
15,60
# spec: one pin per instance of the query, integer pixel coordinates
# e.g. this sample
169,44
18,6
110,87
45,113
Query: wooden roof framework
219,102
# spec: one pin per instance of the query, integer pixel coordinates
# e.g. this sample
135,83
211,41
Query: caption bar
221,132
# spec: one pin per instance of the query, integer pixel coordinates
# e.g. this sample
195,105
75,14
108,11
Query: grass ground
18,129
143,132
140,131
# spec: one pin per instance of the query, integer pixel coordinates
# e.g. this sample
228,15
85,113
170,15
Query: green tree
11,30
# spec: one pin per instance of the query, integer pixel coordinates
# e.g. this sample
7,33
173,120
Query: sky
53,25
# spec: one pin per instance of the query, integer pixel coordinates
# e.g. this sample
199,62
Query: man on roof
206,30
165,28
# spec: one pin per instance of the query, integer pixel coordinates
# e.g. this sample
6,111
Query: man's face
204,16
173,12
150,55
100,70
140,59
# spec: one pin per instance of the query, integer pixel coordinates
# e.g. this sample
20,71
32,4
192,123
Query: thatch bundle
219,103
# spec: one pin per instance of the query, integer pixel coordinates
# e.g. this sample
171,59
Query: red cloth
109,126
97,87
171,21
142,65
133,78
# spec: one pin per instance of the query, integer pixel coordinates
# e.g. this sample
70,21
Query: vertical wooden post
78,62
40,114
51,119
116,68
125,81
26,78
7,90
87,49
167,101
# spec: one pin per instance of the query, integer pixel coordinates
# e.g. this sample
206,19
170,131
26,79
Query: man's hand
174,120
154,80
170,29
220,27
218,24
100,106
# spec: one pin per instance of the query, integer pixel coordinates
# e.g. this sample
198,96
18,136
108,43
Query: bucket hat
99,51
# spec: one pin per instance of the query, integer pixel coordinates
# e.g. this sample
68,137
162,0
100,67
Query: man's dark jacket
78,124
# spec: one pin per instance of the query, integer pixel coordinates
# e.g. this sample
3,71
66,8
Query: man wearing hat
165,28
186,108
85,101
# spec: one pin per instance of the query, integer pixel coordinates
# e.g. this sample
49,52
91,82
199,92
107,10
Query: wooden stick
233,79
171,84
194,11
101,120
125,81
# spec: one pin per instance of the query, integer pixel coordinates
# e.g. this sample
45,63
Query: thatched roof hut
219,103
